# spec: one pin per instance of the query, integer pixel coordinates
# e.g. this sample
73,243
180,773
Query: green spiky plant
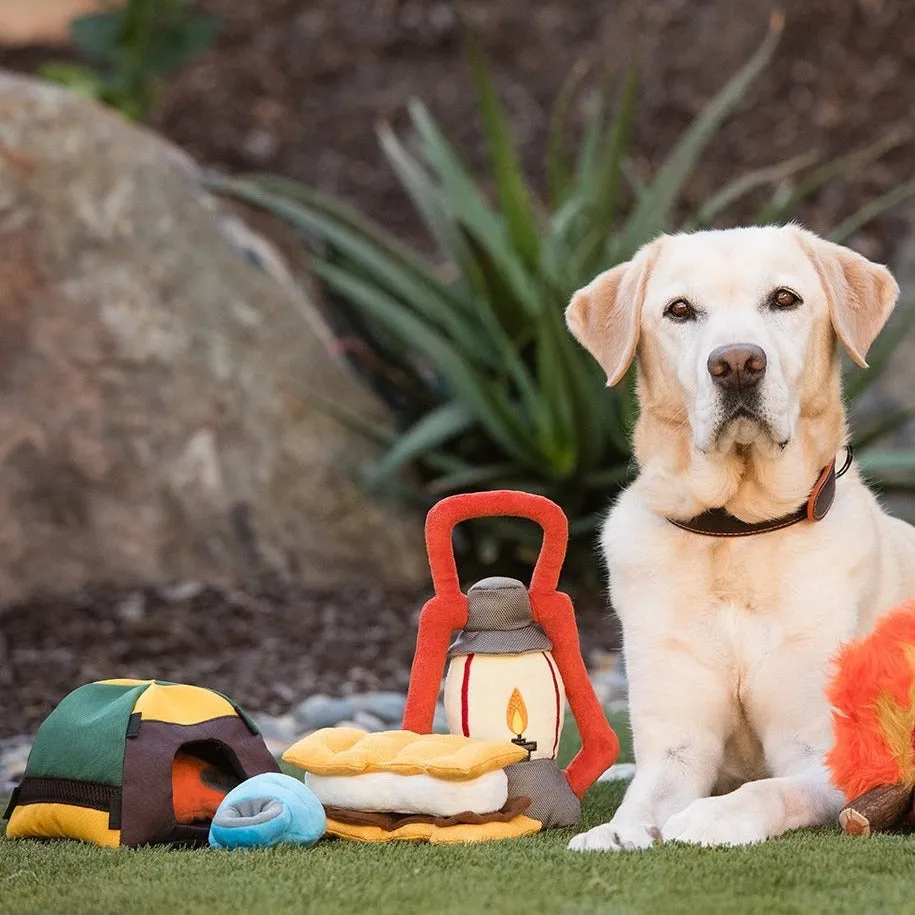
489,387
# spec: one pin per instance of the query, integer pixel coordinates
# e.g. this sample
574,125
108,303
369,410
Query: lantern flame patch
516,713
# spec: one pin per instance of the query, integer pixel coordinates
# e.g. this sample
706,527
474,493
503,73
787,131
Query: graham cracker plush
402,786
135,762
352,751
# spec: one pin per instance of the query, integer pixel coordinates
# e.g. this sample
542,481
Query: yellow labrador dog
732,595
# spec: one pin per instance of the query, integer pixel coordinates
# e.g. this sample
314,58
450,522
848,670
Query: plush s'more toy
401,786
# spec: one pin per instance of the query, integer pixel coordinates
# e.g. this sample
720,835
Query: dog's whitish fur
728,640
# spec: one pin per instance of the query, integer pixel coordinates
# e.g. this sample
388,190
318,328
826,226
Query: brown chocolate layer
391,821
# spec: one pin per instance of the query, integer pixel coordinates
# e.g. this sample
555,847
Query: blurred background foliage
128,49
469,347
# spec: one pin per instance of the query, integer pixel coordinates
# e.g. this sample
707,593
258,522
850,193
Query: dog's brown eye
680,310
785,298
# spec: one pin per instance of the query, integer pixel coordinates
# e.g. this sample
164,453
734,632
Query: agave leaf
617,434
490,404
560,243
629,401
428,200
882,427
746,184
858,380
787,199
457,183
514,195
559,175
432,431
599,191
653,209
872,210
440,212
589,154
505,330
887,462
426,197
396,268
499,306
556,437
584,381
98,35
399,490
266,190
409,278
612,478
466,203
471,476
346,417
607,177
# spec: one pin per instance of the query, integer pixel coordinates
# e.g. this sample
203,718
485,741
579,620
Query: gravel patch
275,647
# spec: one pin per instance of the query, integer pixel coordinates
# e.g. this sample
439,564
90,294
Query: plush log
880,808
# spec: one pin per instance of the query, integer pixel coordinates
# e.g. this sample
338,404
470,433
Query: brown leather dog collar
716,522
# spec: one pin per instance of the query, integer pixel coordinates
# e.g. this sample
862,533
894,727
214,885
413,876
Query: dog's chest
736,576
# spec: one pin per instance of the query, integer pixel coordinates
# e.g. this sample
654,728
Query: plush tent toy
135,762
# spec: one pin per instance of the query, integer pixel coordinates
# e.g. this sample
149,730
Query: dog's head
735,329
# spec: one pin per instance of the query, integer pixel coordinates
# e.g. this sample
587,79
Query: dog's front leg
794,728
680,719
758,810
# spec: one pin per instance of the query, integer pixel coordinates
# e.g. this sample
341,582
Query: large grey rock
153,418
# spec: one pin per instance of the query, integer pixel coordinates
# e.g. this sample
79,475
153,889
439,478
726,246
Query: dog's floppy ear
604,316
861,294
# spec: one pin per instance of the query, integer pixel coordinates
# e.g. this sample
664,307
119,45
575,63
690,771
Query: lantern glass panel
490,696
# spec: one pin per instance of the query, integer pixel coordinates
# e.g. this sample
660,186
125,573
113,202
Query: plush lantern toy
514,661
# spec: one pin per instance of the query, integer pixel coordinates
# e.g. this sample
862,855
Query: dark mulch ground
268,645
296,88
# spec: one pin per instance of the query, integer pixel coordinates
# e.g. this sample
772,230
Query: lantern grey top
499,621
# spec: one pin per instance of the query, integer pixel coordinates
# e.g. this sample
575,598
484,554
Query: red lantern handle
447,514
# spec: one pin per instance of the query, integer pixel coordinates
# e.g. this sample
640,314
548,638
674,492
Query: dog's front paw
715,821
615,837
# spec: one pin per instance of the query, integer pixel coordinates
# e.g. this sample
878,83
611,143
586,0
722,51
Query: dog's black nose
737,367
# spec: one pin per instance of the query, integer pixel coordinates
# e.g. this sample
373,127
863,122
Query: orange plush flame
873,699
516,713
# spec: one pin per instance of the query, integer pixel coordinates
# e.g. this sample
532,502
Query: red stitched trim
465,705
549,664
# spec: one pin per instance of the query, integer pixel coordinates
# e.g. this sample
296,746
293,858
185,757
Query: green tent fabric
83,738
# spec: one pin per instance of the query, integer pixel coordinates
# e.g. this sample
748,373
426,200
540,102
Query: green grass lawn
809,872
